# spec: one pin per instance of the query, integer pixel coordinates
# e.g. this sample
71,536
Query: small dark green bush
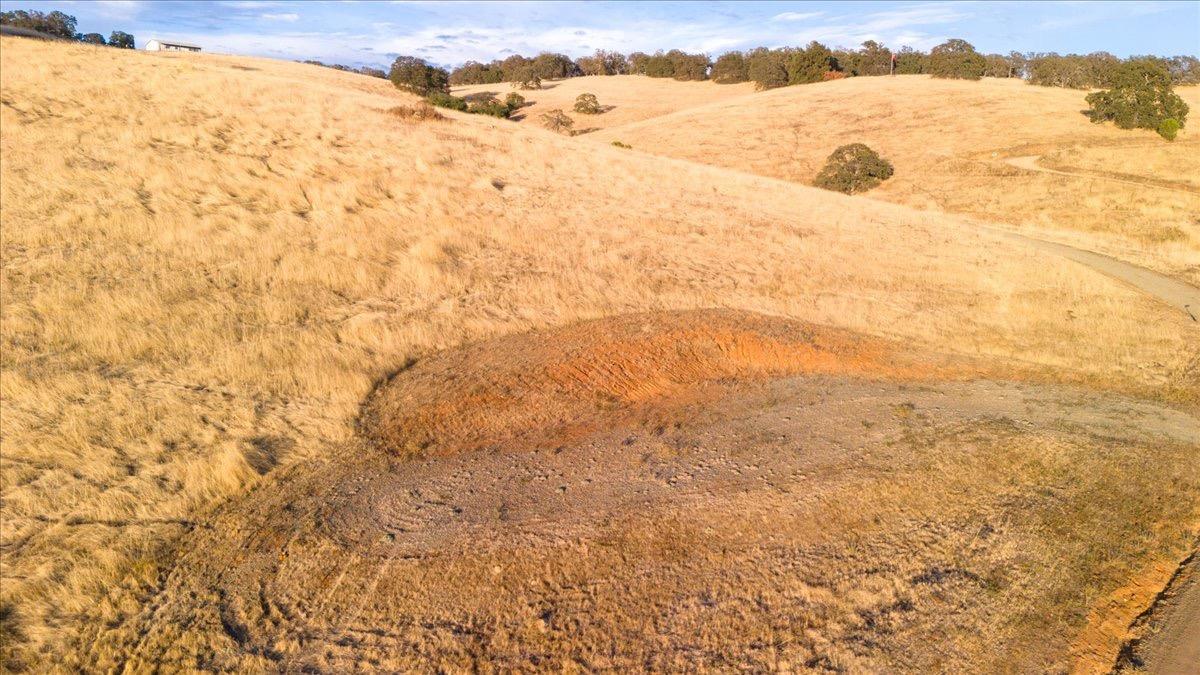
490,106
514,101
619,144
587,104
443,100
853,168
557,120
1169,128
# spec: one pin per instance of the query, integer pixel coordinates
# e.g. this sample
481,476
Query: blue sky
372,33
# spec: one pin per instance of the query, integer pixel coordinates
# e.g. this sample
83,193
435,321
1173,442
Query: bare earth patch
766,495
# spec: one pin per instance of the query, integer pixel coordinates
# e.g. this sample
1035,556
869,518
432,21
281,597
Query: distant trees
767,67
809,64
853,168
956,59
1140,98
526,72
55,23
872,59
121,40
415,75
730,68
61,25
602,63
1184,69
911,62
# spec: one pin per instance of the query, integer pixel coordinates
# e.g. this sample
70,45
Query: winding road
1178,294
1172,644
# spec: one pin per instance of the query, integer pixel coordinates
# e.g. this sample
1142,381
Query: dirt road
1167,639
1182,296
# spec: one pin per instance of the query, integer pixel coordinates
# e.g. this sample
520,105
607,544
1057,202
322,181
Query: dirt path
1030,163
1168,637
1182,296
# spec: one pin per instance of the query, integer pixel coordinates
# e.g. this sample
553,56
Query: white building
171,46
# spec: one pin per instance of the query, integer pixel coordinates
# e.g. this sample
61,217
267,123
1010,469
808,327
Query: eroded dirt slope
837,505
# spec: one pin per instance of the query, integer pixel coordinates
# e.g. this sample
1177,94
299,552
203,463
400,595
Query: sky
449,33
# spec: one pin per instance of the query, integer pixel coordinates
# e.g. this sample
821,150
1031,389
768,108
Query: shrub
420,112
443,100
833,75
956,59
1169,128
730,68
121,40
587,104
853,168
619,144
514,101
658,66
93,39
413,74
557,121
1141,97
489,106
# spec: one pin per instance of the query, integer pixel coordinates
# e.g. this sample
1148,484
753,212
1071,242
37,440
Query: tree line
60,25
770,68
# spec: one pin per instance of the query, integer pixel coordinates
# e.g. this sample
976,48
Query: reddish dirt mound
691,491
554,385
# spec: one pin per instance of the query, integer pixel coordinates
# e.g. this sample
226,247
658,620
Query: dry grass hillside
209,262
948,141
626,99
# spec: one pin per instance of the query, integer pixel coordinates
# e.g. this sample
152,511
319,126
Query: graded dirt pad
774,496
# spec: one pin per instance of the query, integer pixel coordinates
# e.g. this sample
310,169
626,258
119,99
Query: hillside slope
948,141
626,99
208,262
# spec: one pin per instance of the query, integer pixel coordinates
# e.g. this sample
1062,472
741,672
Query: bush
489,106
413,74
443,100
420,112
514,101
1169,128
92,39
853,168
557,121
1141,97
619,144
956,59
587,104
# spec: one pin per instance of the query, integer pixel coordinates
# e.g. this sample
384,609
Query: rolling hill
240,330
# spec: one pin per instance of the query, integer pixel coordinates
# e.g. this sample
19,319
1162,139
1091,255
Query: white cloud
289,17
796,16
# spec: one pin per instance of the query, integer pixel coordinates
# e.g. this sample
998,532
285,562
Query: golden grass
207,256
947,140
627,98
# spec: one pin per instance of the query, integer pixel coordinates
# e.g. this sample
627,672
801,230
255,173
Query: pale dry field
627,98
208,262
947,141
